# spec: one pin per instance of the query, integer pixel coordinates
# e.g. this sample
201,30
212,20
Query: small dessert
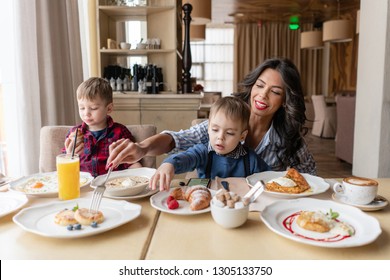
320,222
65,218
86,217
293,182
226,199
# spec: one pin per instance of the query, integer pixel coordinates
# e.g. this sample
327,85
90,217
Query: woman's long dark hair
289,120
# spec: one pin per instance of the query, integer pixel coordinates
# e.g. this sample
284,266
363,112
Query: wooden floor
328,166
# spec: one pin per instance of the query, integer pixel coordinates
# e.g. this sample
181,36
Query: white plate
378,203
317,184
49,179
123,192
278,215
145,193
159,201
11,201
40,219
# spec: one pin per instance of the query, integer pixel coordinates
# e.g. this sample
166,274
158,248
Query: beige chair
52,141
324,118
345,127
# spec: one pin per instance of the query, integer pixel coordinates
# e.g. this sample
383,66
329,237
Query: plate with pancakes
322,223
53,219
289,184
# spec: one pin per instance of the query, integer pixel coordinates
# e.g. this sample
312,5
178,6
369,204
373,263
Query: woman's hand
162,177
124,151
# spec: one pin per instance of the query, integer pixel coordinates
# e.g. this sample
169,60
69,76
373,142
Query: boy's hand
162,177
79,143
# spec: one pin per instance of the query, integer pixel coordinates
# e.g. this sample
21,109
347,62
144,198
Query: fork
98,194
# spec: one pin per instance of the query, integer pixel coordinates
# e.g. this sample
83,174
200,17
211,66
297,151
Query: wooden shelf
133,52
128,13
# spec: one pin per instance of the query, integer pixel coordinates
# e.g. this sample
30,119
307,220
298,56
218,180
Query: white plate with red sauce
280,217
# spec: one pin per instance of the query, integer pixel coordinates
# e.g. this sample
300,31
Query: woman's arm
124,150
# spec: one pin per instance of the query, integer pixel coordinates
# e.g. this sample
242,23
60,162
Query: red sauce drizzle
288,222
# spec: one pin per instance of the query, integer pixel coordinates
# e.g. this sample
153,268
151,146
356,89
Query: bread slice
301,184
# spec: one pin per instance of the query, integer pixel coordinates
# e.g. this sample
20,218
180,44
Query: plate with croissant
183,200
289,184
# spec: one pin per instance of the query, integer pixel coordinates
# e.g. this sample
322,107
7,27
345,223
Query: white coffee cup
357,190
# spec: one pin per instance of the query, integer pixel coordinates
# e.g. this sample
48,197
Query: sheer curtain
41,69
254,43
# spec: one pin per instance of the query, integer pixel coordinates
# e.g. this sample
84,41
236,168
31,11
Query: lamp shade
197,33
311,40
201,11
337,31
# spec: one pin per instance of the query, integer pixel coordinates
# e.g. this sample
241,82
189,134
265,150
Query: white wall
371,157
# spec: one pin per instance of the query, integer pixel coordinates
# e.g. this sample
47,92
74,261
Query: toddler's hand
162,177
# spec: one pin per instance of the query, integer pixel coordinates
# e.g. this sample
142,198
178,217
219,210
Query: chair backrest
52,141
319,106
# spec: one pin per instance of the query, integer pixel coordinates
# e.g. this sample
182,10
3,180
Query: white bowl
125,189
141,46
229,217
125,46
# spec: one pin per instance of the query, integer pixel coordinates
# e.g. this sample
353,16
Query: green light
294,22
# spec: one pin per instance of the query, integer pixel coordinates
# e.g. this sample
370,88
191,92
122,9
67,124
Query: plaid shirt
95,154
268,150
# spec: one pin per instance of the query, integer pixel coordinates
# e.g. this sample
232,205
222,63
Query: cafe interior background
49,47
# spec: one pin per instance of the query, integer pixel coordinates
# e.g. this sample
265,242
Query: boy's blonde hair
235,108
95,87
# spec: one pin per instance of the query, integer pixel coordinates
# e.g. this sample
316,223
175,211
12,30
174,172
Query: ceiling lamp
337,31
201,11
197,33
311,40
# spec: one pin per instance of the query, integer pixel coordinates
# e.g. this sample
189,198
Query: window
212,60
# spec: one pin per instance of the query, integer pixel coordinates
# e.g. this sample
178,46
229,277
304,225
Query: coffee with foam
360,181
357,190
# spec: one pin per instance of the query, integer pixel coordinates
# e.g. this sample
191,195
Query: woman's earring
242,142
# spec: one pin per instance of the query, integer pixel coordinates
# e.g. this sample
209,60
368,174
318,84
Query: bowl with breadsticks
228,209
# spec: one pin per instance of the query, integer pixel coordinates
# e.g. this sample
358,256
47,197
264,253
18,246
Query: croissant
198,196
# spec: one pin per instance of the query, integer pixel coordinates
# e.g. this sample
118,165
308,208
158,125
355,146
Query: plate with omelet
44,184
289,184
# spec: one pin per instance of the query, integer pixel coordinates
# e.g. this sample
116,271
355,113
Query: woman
276,126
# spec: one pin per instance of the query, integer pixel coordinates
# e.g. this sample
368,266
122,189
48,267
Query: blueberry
69,227
94,224
77,226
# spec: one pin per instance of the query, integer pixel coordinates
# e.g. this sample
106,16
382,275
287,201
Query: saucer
378,203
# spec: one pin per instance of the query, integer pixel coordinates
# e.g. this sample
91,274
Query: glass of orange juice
68,173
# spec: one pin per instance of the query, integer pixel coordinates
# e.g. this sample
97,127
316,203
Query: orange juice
68,172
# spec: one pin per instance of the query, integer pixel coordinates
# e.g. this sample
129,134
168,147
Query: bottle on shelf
119,84
134,85
149,79
160,79
112,83
155,84
126,83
